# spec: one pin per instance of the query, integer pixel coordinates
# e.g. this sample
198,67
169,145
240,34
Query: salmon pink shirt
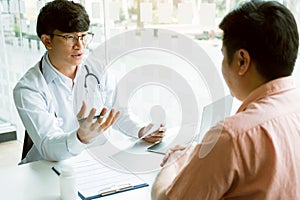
254,154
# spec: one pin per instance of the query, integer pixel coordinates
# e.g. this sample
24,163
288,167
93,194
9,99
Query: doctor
44,96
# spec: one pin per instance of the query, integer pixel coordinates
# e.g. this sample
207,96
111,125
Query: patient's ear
243,61
46,40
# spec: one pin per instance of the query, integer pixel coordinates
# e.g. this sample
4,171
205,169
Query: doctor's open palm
90,128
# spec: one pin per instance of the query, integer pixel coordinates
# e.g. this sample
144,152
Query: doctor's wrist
81,138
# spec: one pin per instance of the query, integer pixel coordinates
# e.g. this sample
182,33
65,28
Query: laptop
211,114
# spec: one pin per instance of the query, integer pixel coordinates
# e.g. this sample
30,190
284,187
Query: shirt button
70,98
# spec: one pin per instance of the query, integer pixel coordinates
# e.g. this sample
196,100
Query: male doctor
45,96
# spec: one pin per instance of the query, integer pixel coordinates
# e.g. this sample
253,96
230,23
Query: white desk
37,181
30,181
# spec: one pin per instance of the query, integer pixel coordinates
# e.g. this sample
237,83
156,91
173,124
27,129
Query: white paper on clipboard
95,179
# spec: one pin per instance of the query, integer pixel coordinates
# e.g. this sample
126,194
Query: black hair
65,16
268,31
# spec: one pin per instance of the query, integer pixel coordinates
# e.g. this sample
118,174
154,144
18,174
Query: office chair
26,145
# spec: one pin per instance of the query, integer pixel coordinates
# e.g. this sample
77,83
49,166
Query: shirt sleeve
38,116
73,144
210,170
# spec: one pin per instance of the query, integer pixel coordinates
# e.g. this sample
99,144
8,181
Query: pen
56,171
95,117
115,190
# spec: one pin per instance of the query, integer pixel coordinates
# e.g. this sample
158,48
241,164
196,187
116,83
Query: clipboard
95,179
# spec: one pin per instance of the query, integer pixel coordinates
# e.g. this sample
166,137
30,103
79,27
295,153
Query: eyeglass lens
85,39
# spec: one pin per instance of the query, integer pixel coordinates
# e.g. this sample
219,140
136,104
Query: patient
253,154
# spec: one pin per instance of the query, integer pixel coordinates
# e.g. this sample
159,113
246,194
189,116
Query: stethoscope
85,77
89,74
98,91
99,86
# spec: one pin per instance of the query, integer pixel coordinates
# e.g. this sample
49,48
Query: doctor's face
67,49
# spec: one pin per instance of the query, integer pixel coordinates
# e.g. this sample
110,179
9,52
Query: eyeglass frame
71,36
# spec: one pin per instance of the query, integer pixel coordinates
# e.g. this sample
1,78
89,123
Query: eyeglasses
72,40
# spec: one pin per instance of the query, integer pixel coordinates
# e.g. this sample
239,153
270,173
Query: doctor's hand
155,136
90,128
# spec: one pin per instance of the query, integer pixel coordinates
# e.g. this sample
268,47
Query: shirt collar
51,73
272,87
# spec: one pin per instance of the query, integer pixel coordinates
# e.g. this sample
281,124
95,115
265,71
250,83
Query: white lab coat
48,104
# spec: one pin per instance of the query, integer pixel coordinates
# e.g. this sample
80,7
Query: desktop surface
37,181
